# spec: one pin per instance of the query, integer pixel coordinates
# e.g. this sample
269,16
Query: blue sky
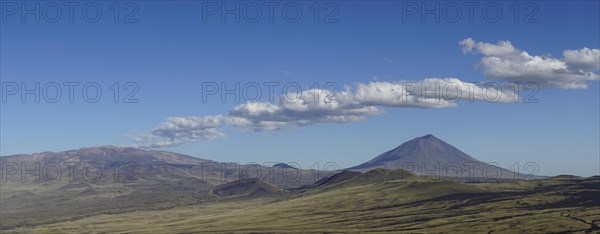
170,52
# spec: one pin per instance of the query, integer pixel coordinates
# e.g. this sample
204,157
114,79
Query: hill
384,204
428,155
95,180
247,187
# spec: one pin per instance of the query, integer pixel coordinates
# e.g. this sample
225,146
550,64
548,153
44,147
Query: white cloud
396,94
505,62
585,59
364,99
256,124
304,108
316,106
430,93
178,130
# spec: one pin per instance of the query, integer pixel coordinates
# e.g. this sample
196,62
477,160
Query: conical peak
427,142
427,137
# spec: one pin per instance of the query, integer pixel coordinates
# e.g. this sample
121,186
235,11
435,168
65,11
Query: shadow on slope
247,188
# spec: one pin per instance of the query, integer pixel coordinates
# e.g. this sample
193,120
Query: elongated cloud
352,105
179,130
317,106
303,108
503,61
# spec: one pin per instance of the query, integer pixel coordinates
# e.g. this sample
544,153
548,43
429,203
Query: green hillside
379,201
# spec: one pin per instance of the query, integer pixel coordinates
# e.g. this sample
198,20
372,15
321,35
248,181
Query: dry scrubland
376,201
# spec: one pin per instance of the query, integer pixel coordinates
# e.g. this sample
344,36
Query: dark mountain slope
428,155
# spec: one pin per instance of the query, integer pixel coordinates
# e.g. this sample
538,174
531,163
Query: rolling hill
247,188
95,180
381,200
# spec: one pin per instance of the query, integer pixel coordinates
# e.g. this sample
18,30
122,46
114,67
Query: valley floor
560,204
